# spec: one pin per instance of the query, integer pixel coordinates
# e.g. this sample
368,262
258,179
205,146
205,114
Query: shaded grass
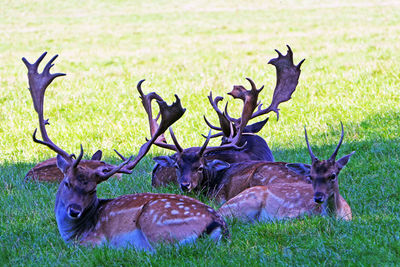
351,74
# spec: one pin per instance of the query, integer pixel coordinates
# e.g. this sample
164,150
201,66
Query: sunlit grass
351,74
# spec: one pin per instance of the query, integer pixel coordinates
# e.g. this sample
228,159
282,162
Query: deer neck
212,180
76,229
332,205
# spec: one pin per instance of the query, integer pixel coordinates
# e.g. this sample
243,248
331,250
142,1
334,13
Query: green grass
351,75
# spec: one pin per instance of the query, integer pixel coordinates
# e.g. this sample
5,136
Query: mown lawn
351,74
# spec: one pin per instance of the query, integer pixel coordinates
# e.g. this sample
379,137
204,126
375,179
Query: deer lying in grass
202,167
47,171
137,220
282,200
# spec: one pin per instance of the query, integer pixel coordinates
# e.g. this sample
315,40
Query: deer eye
200,169
67,185
332,177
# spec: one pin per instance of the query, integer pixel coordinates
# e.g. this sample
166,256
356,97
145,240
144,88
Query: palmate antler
169,115
287,80
38,83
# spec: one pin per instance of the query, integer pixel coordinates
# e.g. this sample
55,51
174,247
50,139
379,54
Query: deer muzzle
185,187
319,197
74,211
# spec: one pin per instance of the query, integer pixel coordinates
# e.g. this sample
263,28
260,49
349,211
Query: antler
223,119
250,98
333,157
169,115
313,157
146,102
287,79
38,83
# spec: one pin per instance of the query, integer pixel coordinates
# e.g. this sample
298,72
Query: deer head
191,165
323,174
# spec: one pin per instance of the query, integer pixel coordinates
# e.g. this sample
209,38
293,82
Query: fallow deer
138,220
283,200
200,167
47,171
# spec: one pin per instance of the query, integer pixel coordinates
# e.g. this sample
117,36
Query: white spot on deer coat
174,212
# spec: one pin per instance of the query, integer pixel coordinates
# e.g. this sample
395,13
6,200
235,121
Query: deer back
47,171
253,173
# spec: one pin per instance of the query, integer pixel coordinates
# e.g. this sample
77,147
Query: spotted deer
203,167
278,201
138,220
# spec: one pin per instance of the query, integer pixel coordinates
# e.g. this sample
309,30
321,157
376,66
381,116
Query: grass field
351,74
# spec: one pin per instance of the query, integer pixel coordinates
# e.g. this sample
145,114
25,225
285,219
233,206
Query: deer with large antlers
137,220
282,200
207,167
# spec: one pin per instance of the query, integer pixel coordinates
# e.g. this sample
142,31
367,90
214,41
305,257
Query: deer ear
218,165
255,127
62,164
299,168
165,161
97,155
344,160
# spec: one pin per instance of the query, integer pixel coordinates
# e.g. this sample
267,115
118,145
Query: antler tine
146,102
233,120
223,120
169,115
178,147
333,157
38,83
313,157
76,162
214,135
287,79
210,125
204,146
250,102
104,176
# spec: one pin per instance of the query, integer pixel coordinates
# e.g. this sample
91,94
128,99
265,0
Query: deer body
139,220
280,201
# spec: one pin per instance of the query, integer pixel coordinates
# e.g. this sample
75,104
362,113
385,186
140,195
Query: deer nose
74,211
319,197
185,186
